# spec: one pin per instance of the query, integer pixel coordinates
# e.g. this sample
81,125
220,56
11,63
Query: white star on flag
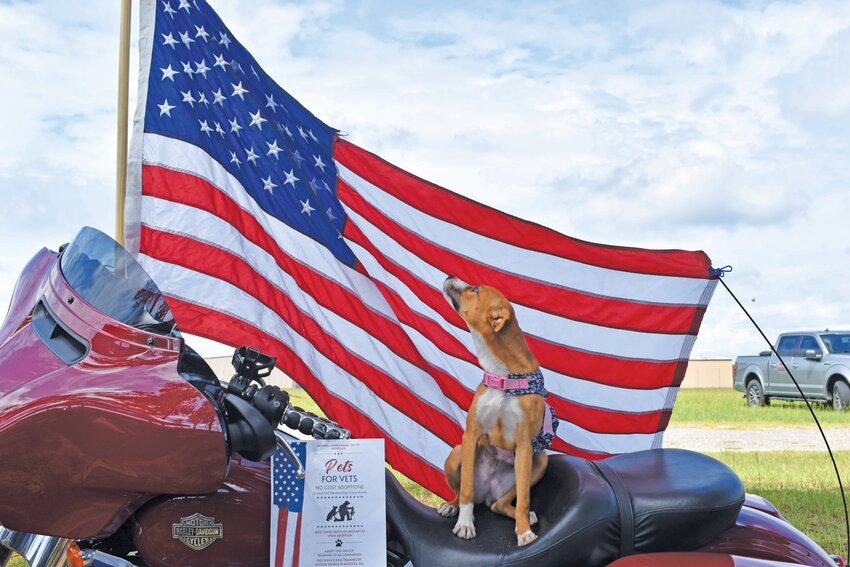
290,178
219,97
187,97
235,127
305,207
166,7
168,73
205,127
201,68
169,40
252,157
319,163
220,61
239,90
165,108
234,159
257,120
225,41
184,4
268,185
184,37
270,103
273,149
201,32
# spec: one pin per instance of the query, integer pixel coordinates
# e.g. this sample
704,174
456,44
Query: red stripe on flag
224,328
429,295
218,263
575,305
427,327
461,211
296,551
559,444
601,420
605,369
280,547
594,367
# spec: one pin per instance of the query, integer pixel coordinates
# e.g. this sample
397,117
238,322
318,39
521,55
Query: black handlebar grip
313,425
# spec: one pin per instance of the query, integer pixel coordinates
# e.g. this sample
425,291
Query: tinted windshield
836,342
108,277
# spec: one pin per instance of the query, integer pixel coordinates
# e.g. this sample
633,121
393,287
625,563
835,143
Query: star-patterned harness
518,385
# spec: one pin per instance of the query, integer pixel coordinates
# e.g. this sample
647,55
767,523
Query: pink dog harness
520,384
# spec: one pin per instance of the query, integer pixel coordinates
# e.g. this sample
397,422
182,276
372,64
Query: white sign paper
342,520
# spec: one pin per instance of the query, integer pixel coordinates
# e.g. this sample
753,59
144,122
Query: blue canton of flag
206,89
287,489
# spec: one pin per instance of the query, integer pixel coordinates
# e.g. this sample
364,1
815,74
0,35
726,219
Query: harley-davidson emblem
197,531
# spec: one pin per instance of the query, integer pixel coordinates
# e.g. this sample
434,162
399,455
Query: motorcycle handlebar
311,424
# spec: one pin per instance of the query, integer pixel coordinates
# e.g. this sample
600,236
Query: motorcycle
122,447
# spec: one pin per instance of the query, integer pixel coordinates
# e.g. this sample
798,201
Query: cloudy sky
720,126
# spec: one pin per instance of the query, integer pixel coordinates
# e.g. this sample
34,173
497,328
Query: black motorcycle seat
677,501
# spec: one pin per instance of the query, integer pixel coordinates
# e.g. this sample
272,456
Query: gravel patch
705,439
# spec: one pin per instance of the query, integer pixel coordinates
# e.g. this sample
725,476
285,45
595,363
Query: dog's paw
526,538
532,518
465,530
447,510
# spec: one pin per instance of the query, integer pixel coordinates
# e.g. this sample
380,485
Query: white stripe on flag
580,335
543,267
291,539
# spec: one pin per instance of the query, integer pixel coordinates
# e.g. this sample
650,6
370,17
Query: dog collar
517,384
504,382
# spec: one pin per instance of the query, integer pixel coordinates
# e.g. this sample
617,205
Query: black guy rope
719,273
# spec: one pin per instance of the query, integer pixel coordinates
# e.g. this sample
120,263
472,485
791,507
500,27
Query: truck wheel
840,395
755,395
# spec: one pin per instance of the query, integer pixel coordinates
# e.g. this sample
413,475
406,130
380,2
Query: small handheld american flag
287,505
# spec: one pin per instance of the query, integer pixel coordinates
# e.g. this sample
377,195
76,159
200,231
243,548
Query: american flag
287,506
263,226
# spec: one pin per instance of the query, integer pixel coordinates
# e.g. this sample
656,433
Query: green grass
725,407
298,397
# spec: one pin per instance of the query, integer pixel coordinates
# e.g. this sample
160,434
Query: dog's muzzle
452,288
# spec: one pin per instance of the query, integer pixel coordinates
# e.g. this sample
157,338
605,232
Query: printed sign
335,516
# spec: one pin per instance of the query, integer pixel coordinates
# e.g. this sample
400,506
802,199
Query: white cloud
663,124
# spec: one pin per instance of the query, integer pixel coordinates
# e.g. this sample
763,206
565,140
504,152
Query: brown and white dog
495,463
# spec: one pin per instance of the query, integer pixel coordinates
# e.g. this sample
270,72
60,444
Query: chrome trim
37,550
282,443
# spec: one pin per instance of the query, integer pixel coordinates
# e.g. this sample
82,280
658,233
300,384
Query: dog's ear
499,317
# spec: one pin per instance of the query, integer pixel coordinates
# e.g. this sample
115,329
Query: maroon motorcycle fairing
764,536
85,444
241,505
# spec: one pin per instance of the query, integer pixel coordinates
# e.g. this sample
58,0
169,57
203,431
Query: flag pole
123,94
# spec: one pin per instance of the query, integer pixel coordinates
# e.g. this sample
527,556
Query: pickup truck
819,360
